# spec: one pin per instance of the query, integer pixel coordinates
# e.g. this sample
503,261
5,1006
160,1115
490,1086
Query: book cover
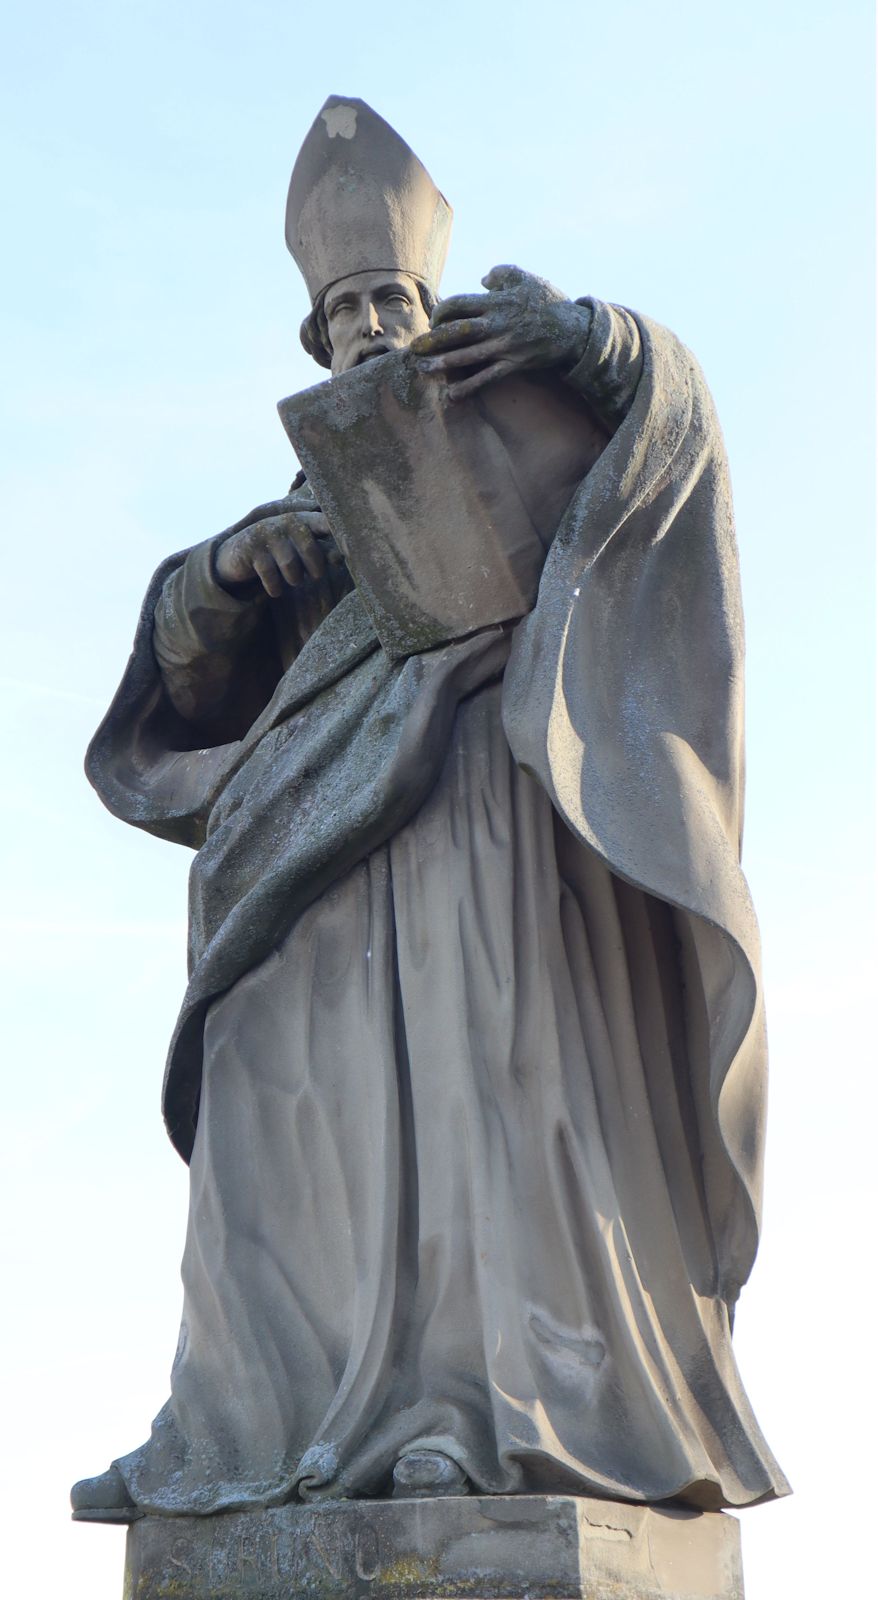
443,510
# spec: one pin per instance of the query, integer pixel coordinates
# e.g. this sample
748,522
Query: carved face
371,313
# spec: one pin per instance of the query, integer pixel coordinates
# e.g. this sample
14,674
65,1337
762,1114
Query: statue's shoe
103,1499
421,1474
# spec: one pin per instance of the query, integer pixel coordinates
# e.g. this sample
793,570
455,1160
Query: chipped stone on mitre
361,201
341,120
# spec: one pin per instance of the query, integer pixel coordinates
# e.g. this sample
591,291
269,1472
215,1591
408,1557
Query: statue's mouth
373,351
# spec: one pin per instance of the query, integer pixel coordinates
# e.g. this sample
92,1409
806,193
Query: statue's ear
313,341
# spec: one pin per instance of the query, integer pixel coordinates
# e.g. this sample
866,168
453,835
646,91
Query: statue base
490,1547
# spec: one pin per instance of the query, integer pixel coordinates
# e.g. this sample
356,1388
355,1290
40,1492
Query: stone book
443,510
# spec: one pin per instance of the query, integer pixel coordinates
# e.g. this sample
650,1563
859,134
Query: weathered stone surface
499,1547
473,1029
444,512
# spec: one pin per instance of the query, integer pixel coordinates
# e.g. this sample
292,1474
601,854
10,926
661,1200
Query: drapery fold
621,699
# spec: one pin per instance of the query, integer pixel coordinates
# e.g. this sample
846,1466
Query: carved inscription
367,1562
249,1565
325,1549
268,1557
180,1557
517,1548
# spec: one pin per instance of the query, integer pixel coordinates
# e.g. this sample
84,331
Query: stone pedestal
503,1547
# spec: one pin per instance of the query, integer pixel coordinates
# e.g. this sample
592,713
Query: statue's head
369,230
369,314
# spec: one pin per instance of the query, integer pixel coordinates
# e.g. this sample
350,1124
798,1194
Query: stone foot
103,1499
425,1473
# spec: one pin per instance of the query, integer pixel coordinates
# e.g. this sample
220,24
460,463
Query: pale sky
710,165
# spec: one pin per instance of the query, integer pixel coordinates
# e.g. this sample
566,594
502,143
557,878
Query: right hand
282,550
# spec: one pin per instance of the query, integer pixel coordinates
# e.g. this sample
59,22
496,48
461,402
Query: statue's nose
371,321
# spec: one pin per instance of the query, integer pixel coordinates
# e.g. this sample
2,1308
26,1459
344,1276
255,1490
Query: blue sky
711,167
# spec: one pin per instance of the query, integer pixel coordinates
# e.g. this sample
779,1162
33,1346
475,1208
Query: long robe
471,1063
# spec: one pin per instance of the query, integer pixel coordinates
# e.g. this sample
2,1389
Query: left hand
522,324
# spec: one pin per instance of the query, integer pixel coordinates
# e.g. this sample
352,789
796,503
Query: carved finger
316,522
451,335
233,562
265,513
299,531
268,573
287,559
505,277
499,369
459,305
260,533
466,355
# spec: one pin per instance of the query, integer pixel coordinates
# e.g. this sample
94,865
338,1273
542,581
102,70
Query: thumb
507,277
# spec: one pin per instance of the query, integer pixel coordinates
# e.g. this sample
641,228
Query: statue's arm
200,633
219,649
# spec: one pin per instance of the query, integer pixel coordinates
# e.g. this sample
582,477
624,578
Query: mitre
361,201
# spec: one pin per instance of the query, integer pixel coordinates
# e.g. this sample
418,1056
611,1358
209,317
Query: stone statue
470,1068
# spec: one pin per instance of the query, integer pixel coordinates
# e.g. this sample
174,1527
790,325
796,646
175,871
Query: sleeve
609,370
202,634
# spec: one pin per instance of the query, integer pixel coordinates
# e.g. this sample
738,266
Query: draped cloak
478,918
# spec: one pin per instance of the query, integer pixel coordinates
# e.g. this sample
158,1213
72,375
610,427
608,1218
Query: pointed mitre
360,201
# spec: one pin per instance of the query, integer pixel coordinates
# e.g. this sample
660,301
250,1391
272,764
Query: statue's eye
397,300
342,308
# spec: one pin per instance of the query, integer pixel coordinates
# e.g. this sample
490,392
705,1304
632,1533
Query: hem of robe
524,1477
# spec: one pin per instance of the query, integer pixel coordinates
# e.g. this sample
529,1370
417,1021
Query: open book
443,511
